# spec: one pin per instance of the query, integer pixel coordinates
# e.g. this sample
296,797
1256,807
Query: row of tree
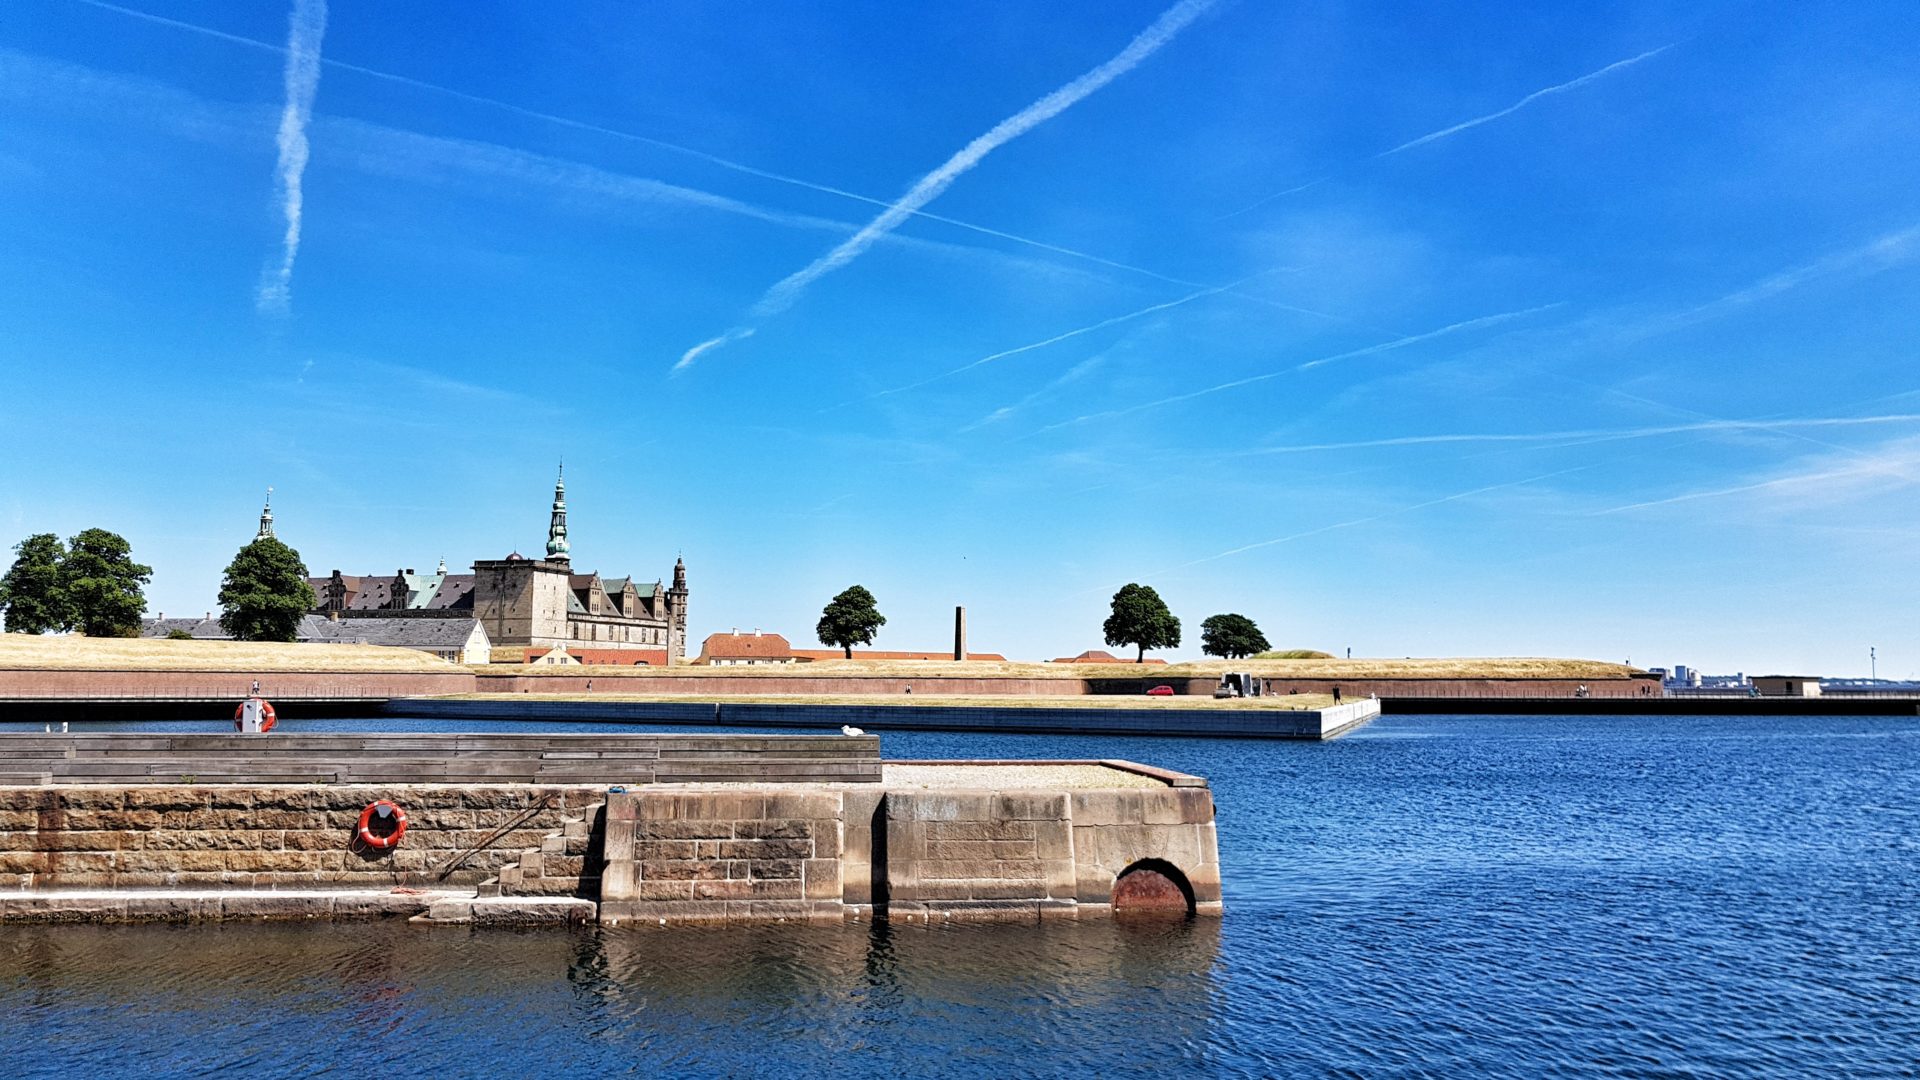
1140,618
91,584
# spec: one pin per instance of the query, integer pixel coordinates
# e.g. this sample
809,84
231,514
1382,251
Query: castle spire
557,548
266,519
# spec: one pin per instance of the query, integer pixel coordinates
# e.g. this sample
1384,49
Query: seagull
849,729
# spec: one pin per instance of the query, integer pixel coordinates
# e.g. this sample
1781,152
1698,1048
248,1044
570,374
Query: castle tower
557,548
266,519
677,614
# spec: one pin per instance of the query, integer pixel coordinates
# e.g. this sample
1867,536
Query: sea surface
1428,896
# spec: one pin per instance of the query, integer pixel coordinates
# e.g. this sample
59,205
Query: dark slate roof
405,633
201,629
456,593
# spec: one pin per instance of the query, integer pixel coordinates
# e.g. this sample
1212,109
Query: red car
1162,690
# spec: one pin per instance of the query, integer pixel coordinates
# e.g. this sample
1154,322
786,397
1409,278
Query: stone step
511,911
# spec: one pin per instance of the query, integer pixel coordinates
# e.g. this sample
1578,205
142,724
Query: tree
1140,618
850,619
32,592
1231,636
104,584
265,592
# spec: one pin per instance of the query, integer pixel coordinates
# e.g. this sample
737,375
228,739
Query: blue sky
1579,330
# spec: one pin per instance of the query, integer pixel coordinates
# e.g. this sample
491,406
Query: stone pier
620,829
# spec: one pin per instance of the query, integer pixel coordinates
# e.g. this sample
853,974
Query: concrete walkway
459,906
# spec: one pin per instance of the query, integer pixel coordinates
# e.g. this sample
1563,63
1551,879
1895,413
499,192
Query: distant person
255,692
1336,695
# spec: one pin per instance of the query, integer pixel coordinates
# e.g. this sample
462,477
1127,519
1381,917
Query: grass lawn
931,670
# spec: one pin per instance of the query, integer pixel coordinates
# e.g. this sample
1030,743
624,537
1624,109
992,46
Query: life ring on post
391,811
267,717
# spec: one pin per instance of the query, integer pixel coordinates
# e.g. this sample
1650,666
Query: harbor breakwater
507,829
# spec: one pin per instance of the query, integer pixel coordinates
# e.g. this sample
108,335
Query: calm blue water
1437,896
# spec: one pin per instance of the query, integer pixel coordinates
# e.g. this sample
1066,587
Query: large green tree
850,619
32,592
104,584
265,592
1140,618
1232,636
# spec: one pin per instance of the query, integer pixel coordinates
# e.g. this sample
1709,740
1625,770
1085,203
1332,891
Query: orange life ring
391,839
266,715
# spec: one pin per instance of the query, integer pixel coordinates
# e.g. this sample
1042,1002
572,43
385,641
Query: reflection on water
1447,896
805,1000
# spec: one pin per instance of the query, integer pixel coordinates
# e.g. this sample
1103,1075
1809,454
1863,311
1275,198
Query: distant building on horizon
735,648
530,605
460,641
1101,656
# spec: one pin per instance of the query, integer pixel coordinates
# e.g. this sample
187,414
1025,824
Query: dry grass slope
934,670
73,652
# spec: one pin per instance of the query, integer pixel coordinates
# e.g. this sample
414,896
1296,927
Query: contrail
645,140
1057,338
929,187
305,26
1397,343
1435,136
1595,434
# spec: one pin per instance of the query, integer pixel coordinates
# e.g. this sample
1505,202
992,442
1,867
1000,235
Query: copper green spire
557,548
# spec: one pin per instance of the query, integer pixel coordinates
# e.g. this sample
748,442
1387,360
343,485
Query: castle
533,605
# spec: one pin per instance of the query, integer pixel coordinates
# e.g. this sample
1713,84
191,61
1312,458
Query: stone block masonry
232,837
906,853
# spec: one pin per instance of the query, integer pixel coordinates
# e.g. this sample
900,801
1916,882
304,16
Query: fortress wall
723,685
69,685
1638,687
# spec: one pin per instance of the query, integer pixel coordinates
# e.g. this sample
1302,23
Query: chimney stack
959,633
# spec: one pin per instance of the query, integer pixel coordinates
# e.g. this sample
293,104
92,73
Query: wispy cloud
1838,478
788,290
1353,354
1383,515
305,26
1594,434
1561,88
1881,253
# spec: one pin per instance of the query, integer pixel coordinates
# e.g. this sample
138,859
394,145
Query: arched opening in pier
1152,888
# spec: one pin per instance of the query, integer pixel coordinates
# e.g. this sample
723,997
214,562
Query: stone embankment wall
1637,687
656,854
269,837
913,854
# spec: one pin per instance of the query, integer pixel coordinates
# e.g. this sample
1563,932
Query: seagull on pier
849,729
